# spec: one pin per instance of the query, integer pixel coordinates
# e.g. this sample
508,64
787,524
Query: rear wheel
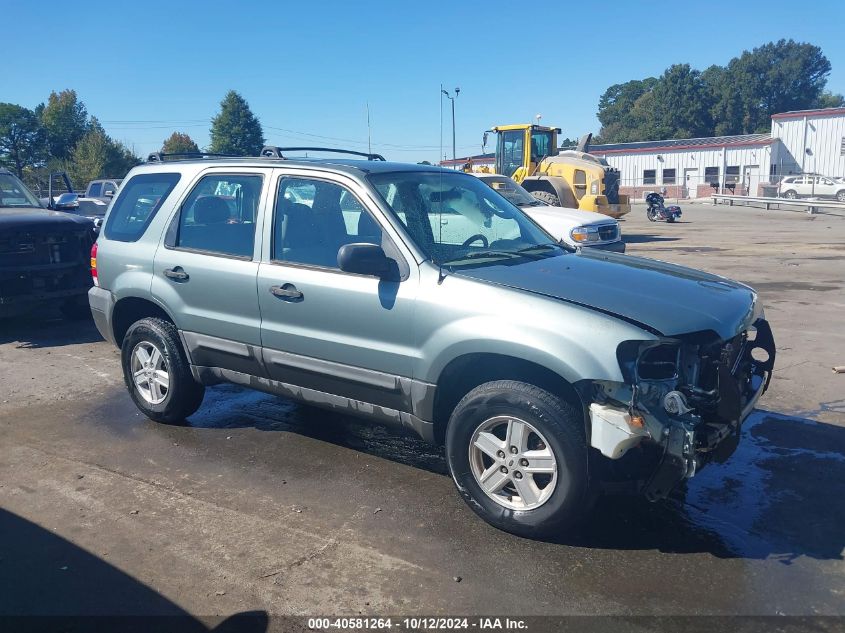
518,456
156,372
549,198
840,196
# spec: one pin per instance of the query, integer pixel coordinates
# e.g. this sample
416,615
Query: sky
309,69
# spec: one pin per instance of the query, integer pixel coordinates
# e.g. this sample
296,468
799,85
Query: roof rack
158,157
272,151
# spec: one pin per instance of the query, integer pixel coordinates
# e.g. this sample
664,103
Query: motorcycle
657,212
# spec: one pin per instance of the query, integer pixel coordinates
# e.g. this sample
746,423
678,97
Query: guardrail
812,206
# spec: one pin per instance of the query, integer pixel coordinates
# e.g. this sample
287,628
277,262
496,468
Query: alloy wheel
513,463
149,372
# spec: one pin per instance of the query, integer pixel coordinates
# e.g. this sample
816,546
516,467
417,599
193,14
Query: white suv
811,185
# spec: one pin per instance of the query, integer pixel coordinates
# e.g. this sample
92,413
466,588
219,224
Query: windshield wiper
531,250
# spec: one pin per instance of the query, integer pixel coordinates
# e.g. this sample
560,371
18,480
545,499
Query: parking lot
261,504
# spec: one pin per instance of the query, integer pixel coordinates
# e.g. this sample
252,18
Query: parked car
571,226
44,254
549,373
811,186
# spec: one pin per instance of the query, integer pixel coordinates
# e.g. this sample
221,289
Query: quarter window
219,215
314,219
137,205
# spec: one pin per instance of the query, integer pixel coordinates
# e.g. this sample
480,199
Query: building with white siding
807,141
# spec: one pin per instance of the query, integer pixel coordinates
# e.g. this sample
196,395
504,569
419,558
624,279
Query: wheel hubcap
149,372
513,463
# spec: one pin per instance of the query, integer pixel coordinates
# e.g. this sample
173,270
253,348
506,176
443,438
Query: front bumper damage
682,404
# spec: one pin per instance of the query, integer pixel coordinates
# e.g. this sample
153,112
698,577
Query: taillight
94,264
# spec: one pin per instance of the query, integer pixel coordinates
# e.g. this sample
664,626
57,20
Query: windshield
13,193
509,188
456,219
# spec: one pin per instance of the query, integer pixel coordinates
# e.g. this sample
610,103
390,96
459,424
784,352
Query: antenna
369,140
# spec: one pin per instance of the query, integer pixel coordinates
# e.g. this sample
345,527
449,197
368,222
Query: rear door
206,270
324,329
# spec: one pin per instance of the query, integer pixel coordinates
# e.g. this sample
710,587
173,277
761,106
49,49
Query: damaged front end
682,403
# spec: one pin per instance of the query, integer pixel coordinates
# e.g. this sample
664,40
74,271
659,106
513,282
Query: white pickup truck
571,226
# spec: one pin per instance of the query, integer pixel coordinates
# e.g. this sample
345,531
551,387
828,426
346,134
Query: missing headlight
659,363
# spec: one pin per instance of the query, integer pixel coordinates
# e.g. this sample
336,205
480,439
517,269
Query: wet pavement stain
774,497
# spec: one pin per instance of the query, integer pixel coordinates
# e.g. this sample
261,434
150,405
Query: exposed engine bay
684,399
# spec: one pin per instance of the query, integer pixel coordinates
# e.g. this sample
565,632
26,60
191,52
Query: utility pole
452,99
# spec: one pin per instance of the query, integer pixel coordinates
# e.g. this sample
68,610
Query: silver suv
550,373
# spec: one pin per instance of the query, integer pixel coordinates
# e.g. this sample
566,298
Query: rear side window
219,215
137,205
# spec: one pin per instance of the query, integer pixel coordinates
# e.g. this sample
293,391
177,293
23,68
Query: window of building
649,176
219,215
314,219
842,147
137,204
711,175
732,173
668,176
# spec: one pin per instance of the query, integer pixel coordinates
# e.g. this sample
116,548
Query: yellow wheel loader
570,178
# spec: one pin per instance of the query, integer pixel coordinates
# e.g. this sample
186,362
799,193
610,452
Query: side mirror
108,193
363,259
67,202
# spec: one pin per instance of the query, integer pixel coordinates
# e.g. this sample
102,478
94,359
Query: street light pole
452,99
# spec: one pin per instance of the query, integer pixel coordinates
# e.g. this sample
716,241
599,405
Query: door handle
286,291
176,273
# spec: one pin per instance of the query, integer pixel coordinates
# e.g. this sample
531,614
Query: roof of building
490,156
802,113
682,143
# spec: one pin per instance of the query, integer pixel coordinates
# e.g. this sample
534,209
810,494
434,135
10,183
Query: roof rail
271,151
158,157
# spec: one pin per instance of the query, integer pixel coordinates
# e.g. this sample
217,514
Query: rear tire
549,198
548,434
157,373
840,195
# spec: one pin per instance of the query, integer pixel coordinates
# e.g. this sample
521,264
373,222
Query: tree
65,120
179,143
22,138
236,130
739,98
681,107
99,156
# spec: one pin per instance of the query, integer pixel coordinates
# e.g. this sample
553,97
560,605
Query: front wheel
790,195
652,215
840,196
156,372
518,456
549,198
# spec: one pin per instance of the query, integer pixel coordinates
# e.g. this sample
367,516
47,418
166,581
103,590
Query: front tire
157,373
840,196
549,198
518,456
651,214
790,195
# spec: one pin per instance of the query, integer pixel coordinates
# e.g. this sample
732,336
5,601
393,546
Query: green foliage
235,130
65,120
97,155
179,143
22,138
735,99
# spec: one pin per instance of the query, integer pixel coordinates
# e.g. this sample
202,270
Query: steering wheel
475,238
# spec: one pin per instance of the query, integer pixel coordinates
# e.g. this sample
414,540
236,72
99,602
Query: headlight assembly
585,234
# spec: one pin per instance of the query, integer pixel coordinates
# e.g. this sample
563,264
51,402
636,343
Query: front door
691,182
323,329
751,179
206,270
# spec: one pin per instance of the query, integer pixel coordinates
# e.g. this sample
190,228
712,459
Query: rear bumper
102,307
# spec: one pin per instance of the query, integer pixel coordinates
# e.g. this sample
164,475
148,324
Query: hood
663,298
573,217
32,218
